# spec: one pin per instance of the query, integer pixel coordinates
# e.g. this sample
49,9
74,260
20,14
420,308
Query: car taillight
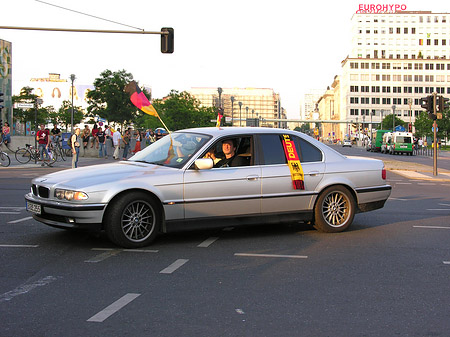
383,174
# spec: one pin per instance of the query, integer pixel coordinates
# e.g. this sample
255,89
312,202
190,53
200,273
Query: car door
278,194
227,191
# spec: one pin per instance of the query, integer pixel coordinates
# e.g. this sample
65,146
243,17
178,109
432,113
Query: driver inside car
231,159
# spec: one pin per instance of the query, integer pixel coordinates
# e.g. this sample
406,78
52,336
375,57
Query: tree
28,115
424,124
109,100
64,115
181,111
387,122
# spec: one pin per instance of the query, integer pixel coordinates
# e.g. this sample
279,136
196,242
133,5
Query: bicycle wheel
51,158
61,154
4,159
23,156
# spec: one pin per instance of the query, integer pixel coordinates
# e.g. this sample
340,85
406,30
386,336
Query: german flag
138,98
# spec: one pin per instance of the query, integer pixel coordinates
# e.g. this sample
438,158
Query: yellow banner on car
298,178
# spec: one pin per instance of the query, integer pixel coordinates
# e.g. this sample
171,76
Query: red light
383,174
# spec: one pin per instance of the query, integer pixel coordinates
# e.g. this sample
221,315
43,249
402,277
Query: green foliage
424,124
181,111
387,122
109,100
28,115
64,113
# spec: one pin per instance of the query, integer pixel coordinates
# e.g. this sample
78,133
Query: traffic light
442,103
167,40
427,103
409,127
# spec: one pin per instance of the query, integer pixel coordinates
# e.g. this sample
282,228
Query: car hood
106,173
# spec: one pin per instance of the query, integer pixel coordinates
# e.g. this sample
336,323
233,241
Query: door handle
314,173
251,178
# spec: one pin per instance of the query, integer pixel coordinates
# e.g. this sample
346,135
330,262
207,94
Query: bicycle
4,158
57,149
24,155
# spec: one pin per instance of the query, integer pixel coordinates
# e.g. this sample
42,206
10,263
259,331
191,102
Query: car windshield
172,150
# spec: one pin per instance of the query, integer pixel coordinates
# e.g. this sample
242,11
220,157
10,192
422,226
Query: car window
242,152
273,153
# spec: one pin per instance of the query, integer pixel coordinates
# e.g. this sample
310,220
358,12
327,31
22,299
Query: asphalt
409,170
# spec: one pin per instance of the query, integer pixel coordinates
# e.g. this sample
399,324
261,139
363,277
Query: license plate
33,208
403,146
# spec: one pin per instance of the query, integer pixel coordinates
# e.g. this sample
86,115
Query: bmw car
212,177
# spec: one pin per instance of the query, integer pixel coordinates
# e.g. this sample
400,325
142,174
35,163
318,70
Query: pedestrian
137,146
116,137
126,141
86,135
43,138
75,145
94,136
6,133
420,142
101,140
108,135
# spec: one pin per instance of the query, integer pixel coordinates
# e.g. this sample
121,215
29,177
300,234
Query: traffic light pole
435,152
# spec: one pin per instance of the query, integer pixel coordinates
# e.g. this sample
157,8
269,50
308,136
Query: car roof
230,131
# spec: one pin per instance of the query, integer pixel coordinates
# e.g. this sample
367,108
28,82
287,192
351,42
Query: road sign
432,129
24,105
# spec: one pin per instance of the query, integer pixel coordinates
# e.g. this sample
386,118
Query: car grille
40,191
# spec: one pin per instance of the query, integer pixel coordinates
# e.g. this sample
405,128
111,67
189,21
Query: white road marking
432,227
20,220
446,262
404,184
13,208
272,255
129,250
444,204
426,184
19,246
240,311
26,288
113,308
10,213
104,256
438,209
174,266
399,199
208,242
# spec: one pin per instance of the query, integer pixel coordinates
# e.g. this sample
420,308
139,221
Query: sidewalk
416,171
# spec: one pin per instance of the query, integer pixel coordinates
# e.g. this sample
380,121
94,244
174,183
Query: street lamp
382,111
219,90
410,113
240,113
393,118
246,115
72,78
253,113
232,109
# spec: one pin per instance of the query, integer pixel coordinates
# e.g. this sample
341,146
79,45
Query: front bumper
64,214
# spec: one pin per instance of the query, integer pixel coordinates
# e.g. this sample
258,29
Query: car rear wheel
334,210
133,220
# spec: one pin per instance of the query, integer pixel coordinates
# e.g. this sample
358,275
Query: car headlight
70,195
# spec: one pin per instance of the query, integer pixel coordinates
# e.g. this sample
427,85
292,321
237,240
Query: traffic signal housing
427,103
167,40
443,103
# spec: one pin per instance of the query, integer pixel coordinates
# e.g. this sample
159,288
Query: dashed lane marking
113,308
432,227
19,246
207,242
103,256
20,220
272,255
23,289
174,266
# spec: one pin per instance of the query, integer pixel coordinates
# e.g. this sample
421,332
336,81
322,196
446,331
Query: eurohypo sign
380,8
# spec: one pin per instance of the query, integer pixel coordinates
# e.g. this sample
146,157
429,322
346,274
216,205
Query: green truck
398,142
377,140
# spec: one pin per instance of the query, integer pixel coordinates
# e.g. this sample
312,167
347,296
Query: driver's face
228,148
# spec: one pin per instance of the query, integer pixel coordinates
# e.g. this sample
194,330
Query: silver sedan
212,177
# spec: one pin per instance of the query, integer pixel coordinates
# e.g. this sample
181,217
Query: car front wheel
133,220
334,210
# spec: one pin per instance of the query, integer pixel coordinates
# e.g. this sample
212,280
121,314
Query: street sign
24,105
432,129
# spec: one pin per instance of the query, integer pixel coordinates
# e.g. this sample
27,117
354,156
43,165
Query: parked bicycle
24,155
4,158
57,149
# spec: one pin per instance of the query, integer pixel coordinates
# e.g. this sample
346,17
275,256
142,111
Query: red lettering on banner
380,8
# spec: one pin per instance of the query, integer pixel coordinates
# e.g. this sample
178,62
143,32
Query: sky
289,46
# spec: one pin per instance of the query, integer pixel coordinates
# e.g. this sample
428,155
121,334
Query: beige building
329,109
244,106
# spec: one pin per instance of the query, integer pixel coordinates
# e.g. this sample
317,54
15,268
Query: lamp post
240,113
410,113
393,118
72,78
232,109
382,111
246,115
219,90
253,113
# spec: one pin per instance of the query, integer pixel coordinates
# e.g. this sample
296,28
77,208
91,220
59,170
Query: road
388,275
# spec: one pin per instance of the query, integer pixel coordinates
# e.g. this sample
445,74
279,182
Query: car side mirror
204,164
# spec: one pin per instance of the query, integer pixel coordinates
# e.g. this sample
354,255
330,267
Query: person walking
101,141
117,136
43,138
86,136
126,141
75,145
